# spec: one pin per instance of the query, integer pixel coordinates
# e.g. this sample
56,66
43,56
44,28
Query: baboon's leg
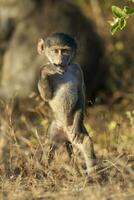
51,153
58,137
69,148
87,150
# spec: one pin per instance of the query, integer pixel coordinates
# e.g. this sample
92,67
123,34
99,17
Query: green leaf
112,22
78,2
118,12
128,10
122,23
115,27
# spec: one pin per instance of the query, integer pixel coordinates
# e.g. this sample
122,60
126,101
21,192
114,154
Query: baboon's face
59,56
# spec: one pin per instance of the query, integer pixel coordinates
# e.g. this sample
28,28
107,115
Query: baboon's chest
65,93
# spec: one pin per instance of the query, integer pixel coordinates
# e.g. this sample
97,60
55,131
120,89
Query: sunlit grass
24,145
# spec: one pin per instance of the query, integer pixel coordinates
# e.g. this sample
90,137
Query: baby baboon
61,84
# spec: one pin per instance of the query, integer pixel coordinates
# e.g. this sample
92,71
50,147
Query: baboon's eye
56,51
65,51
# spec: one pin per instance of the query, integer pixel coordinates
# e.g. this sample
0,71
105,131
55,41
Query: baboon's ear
40,46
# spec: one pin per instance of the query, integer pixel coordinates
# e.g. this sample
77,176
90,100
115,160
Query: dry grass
24,144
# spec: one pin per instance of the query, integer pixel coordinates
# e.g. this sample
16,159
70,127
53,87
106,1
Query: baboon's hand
51,70
77,134
59,70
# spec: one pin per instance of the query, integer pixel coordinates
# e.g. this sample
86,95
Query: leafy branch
121,16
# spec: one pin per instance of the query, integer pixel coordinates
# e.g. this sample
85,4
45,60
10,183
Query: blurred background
107,60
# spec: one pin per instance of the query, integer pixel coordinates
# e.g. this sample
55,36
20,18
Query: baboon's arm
45,89
44,86
80,108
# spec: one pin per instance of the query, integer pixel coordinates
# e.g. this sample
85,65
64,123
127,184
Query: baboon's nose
59,62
